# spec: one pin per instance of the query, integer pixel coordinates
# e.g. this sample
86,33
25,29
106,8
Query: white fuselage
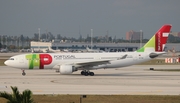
24,62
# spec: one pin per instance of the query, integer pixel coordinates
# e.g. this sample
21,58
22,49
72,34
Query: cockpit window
11,58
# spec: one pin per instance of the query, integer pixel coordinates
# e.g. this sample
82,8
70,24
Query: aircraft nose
6,62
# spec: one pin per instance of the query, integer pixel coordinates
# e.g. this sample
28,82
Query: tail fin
158,41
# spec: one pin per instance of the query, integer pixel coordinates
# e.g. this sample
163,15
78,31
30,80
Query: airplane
87,50
67,63
38,50
45,50
50,50
93,50
3,50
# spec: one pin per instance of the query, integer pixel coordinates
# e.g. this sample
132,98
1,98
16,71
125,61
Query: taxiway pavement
133,80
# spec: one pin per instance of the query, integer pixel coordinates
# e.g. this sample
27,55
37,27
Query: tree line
23,42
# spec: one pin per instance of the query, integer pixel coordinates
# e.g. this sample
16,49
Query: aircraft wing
96,62
92,63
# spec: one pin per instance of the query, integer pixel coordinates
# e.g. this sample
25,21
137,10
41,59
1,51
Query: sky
69,17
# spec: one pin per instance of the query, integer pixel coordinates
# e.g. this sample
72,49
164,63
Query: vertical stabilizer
158,41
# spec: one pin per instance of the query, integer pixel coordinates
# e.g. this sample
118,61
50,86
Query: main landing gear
87,72
23,72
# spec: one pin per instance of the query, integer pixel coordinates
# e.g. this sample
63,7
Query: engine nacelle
67,69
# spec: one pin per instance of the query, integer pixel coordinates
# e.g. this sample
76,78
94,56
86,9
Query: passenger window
11,58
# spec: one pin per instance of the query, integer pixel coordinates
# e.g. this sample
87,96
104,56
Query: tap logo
161,39
159,42
38,60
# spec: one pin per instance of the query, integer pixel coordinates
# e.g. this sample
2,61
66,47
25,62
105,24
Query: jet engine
67,69
153,55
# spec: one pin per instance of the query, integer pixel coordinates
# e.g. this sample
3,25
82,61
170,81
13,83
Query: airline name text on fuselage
64,56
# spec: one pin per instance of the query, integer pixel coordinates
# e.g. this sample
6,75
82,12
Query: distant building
132,35
175,34
108,47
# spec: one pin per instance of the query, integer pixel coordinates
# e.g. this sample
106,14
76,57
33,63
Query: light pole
39,33
140,38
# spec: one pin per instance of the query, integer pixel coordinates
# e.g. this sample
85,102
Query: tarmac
133,80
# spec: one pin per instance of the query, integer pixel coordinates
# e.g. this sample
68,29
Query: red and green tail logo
158,41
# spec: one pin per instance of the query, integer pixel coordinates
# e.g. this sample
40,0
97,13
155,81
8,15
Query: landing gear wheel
91,73
82,72
23,72
86,73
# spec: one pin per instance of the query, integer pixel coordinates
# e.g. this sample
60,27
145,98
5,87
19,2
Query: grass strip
104,99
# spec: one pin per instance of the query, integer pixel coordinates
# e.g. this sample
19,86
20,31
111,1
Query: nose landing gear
23,72
87,72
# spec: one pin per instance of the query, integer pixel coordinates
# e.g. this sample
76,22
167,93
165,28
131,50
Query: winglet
158,41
